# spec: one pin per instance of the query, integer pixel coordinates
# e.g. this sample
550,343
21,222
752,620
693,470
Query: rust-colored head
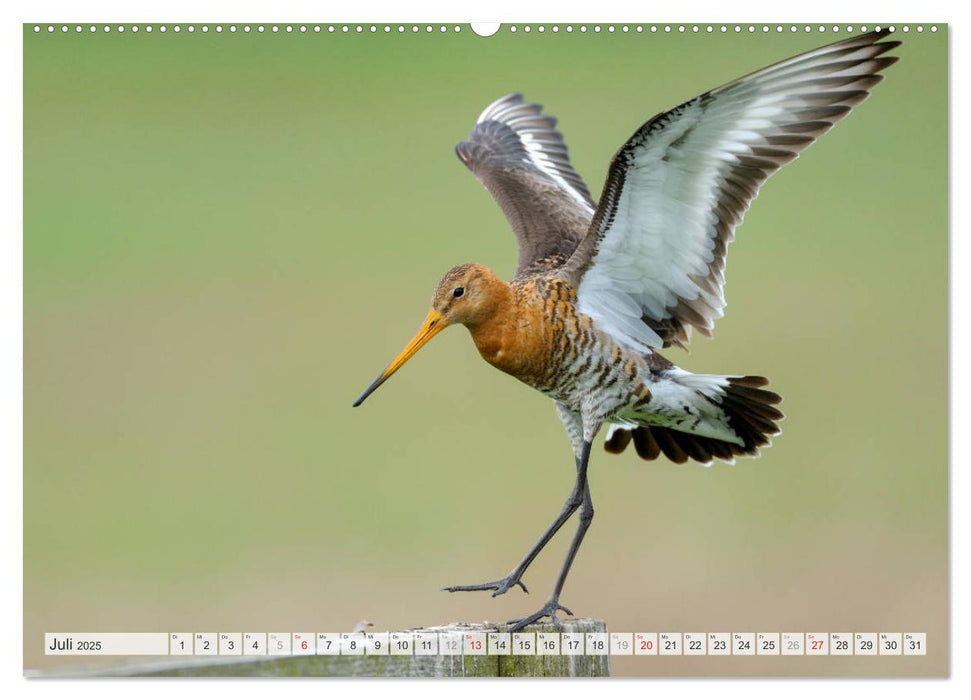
468,294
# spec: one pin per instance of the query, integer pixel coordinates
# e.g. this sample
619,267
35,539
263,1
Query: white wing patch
681,185
643,266
539,157
544,147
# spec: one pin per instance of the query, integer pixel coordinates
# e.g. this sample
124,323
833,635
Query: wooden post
442,666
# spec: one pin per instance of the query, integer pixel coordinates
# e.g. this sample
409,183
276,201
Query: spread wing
653,263
516,153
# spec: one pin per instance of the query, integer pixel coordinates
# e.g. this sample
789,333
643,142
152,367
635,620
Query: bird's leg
552,604
573,501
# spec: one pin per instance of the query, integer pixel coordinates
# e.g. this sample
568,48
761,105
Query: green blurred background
228,235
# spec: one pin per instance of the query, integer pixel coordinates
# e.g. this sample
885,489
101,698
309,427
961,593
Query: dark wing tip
875,35
465,150
886,62
885,31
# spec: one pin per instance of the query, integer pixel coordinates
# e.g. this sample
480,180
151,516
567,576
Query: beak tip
370,390
429,329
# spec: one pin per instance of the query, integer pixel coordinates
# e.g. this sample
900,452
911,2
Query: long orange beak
433,325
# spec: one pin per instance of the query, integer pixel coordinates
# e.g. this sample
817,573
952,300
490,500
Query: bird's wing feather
515,151
652,265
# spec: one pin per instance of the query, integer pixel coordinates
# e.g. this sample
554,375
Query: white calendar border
828,10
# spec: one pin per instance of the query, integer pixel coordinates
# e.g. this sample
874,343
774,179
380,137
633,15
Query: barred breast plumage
560,352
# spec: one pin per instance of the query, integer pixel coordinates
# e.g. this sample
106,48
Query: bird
362,626
602,287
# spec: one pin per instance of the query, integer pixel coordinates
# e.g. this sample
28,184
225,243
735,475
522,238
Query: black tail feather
646,445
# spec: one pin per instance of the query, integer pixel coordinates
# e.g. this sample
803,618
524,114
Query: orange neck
494,331
515,336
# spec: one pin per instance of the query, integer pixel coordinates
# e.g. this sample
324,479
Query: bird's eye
458,291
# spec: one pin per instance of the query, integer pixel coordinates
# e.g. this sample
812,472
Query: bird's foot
497,587
548,610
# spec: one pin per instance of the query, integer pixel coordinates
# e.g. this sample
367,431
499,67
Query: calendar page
695,423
